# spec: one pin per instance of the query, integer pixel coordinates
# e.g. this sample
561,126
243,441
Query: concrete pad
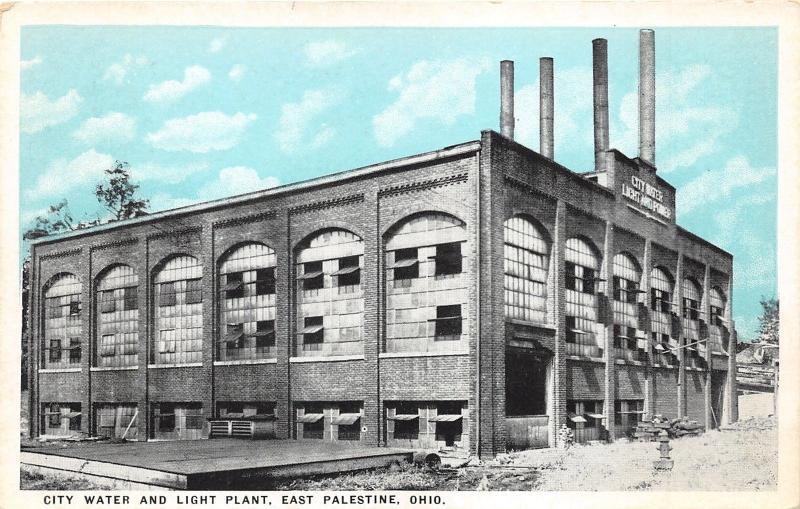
210,464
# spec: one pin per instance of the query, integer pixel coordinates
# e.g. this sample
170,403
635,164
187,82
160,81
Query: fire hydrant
663,463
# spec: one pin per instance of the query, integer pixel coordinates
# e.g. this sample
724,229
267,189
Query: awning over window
595,415
346,270
346,419
233,415
408,262
577,418
310,275
72,415
445,418
311,329
310,418
404,417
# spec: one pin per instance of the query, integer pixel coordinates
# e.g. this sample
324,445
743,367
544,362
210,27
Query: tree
57,219
769,321
118,195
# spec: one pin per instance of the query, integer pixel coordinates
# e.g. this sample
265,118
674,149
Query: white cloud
216,44
28,64
680,119
113,126
166,174
117,72
235,180
37,111
437,90
171,90
573,109
718,184
62,175
297,117
201,133
236,72
325,53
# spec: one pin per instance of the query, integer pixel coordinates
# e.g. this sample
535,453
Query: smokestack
507,98
546,107
647,96
600,74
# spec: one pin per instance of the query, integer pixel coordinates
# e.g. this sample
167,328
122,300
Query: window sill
187,365
598,360
332,358
629,362
60,370
243,362
114,368
394,355
535,325
690,368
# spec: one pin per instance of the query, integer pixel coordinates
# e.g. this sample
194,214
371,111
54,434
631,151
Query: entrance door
526,399
718,380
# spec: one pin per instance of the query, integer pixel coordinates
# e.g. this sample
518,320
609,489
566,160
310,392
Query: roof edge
338,177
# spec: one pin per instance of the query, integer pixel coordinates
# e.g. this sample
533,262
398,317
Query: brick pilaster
609,378
558,398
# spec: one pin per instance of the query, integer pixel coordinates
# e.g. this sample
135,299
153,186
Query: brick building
477,297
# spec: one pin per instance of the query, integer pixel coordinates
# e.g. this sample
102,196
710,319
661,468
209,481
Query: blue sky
207,112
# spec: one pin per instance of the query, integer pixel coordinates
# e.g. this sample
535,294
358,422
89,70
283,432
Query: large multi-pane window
330,300
247,304
117,340
628,340
661,289
61,418
691,320
717,324
525,263
62,322
178,304
628,414
582,284
119,420
426,291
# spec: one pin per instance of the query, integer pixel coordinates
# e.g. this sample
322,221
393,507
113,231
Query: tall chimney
600,74
647,95
507,98
546,107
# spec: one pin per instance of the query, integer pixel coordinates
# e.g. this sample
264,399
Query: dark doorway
526,383
718,379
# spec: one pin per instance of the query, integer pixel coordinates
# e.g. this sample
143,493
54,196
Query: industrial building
477,297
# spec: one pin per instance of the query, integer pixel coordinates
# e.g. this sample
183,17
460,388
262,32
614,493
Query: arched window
691,317
178,303
661,306
330,301
117,341
426,291
62,322
247,304
717,323
525,264
631,343
581,265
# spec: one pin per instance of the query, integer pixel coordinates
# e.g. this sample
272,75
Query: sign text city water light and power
647,196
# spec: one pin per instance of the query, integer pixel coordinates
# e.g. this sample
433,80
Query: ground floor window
585,418
427,423
245,409
61,418
117,420
627,415
177,421
329,421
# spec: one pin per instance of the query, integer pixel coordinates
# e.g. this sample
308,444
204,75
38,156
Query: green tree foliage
57,219
118,195
769,321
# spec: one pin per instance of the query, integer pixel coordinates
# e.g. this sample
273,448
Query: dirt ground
741,459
